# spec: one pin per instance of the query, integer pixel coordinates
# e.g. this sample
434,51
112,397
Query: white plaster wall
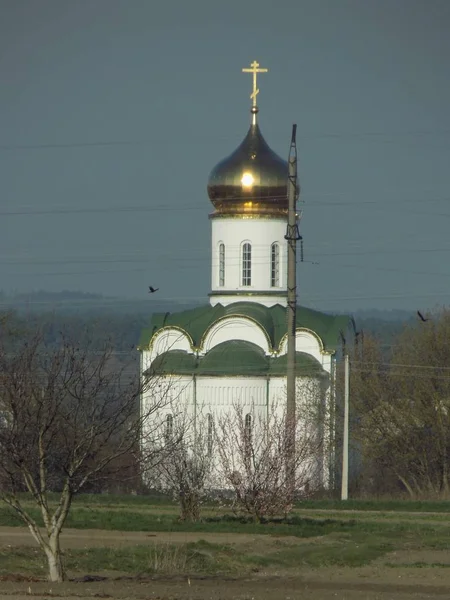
184,398
235,328
304,342
171,394
261,234
307,391
310,408
268,301
217,395
327,360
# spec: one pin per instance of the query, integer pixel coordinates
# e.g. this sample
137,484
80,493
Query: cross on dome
255,69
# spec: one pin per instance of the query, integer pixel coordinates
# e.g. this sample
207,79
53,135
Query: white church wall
305,341
261,234
235,328
308,390
217,395
312,411
173,394
187,398
327,360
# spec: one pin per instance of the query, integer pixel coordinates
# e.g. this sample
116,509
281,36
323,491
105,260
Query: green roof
305,365
174,362
196,322
234,357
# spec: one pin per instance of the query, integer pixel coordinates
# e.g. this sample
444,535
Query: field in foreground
320,553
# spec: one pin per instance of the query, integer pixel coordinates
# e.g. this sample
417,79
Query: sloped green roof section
197,321
305,366
233,358
173,362
230,358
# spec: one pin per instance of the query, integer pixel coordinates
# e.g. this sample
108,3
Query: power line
143,257
214,139
202,300
205,208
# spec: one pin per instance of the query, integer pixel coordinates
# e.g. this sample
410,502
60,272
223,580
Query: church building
233,348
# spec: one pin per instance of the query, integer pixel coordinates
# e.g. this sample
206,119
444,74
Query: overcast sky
113,113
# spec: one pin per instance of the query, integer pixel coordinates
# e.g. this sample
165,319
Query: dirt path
83,538
281,588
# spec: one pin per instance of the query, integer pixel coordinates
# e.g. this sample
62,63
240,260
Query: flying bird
421,317
152,290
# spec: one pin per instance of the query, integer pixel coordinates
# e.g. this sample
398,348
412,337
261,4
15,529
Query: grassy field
318,534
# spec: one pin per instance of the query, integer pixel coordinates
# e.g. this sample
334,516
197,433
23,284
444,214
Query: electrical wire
158,141
61,210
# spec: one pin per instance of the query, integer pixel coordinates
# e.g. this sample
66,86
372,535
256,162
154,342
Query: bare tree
253,454
185,466
68,412
403,405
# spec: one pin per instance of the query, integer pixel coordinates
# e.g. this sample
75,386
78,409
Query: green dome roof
305,365
235,357
173,362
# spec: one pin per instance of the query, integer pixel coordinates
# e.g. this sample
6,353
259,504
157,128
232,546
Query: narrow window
275,265
209,434
246,264
248,427
169,426
221,265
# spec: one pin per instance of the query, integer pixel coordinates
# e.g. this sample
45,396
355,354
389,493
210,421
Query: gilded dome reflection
252,180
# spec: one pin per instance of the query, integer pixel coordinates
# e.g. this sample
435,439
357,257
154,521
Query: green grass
195,558
312,543
162,501
321,534
378,505
153,520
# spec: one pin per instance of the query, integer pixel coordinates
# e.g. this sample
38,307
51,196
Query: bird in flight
152,290
421,317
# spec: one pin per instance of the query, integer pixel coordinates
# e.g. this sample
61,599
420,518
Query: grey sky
160,83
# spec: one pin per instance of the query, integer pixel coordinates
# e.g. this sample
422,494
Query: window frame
275,265
168,427
246,265
209,433
221,264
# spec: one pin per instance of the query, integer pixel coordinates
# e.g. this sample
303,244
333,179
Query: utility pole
292,235
344,483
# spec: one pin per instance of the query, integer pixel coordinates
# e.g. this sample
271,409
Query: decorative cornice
282,293
275,215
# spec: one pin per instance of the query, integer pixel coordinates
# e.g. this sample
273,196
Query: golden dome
251,181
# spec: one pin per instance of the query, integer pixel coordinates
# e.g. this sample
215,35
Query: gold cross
255,70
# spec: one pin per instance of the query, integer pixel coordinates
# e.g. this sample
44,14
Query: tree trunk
407,486
54,557
190,507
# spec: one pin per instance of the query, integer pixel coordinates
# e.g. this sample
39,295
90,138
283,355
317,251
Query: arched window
248,427
275,265
209,434
169,426
221,265
247,264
